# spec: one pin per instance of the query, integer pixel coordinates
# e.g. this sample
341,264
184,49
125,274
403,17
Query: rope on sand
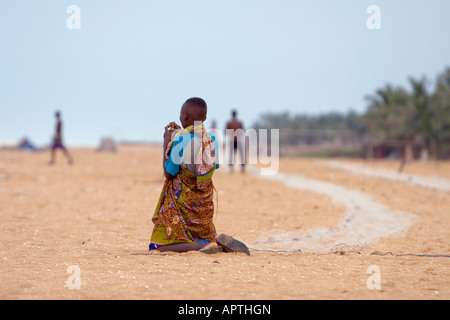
411,254
343,248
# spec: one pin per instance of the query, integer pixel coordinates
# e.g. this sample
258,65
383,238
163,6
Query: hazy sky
133,63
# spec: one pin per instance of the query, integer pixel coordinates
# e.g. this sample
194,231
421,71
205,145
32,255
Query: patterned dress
185,209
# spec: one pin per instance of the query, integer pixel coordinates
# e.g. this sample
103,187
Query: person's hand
169,129
172,127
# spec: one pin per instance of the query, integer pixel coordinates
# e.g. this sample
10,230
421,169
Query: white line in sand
363,224
436,183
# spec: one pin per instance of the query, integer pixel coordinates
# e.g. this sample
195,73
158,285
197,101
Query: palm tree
441,113
420,100
395,114
391,117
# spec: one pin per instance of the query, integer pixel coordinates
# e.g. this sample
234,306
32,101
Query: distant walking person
235,140
58,141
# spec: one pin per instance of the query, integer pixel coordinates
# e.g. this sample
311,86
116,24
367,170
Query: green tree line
417,114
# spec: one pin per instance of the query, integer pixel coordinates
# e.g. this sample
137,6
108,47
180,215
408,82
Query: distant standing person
235,141
58,141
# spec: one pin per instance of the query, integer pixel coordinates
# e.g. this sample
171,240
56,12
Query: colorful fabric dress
185,209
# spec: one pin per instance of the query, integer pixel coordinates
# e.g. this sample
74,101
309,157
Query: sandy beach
95,217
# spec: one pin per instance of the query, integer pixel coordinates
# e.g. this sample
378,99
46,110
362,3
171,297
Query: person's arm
166,174
168,130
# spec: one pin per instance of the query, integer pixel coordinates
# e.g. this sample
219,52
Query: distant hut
107,145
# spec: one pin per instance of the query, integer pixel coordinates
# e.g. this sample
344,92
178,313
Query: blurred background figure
235,141
107,144
26,144
213,125
58,141
214,130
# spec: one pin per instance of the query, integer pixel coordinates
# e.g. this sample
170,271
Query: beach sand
96,216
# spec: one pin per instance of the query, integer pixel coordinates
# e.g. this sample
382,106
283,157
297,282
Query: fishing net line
363,224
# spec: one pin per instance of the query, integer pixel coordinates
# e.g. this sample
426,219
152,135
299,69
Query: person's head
194,109
234,114
57,114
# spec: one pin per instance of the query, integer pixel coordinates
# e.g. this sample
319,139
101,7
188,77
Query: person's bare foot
211,248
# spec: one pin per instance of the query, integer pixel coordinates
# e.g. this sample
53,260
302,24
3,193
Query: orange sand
97,214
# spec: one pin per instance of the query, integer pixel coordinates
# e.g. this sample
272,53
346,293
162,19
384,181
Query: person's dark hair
57,113
234,113
198,102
